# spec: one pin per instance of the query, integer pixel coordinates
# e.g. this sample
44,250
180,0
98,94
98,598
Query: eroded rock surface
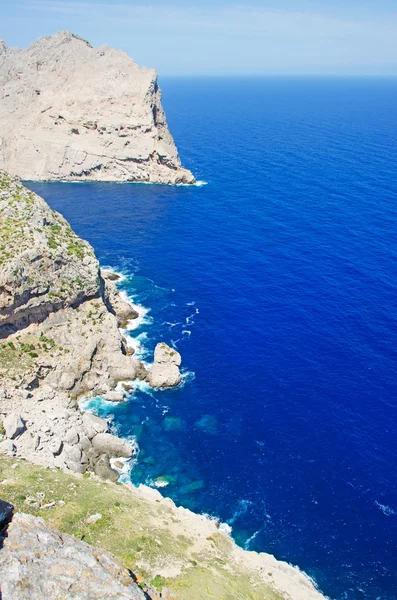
39,562
165,370
58,318
72,112
59,338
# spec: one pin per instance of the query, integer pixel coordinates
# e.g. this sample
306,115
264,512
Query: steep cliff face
58,319
72,112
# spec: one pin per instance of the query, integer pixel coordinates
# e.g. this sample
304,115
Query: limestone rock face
44,265
39,562
56,316
14,425
165,370
116,304
72,112
106,443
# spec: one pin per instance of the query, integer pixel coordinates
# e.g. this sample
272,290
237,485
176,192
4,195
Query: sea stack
71,112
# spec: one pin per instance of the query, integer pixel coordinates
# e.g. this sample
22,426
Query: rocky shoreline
60,321
60,340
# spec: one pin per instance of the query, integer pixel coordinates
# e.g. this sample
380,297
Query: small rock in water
115,396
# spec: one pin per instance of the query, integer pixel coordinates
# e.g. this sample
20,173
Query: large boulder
104,470
164,354
106,443
94,424
163,375
38,562
14,426
165,370
115,396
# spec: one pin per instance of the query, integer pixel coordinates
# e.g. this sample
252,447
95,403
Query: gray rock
38,562
167,355
92,455
76,467
122,309
71,453
94,424
104,470
165,370
164,375
85,443
115,396
112,132
93,518
72,437
55,446
7,447
106,443
14,425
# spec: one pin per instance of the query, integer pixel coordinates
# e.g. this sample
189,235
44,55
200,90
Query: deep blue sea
277,282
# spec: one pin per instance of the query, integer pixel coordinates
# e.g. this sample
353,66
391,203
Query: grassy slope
146,534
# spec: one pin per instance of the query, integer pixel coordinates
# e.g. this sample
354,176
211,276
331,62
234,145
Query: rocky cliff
72,112
57,313
40,562
59,339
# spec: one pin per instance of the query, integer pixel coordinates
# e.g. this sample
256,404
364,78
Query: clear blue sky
219,37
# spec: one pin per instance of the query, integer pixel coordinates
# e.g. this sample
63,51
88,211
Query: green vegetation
17,357
146,534
78,37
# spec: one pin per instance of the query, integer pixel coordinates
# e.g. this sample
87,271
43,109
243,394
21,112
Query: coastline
65,344
260,561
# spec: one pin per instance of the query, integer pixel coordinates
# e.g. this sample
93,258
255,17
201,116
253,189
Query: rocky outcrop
59,339
59,318
165,370
72,112
115,303
40,562
46,427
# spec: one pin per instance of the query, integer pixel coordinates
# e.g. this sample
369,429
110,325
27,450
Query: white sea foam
93,404
197,184
250,539
241,510
187,377
120,274
387,510
226,529
125,470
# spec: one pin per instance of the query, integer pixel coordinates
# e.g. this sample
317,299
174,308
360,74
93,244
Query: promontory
68,527
71,112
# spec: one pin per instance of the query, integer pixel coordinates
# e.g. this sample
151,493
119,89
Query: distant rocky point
71,112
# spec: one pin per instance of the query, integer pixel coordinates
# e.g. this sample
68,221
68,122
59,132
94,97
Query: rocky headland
60,340
72,112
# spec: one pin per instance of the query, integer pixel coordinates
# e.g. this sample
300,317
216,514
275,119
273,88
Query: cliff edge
71,112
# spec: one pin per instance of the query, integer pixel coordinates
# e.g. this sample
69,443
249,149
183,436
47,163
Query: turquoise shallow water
277,283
